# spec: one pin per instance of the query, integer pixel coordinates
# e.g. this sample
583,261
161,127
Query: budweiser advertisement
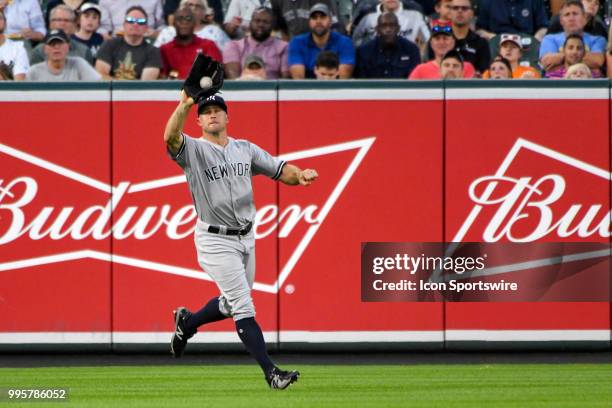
527,165
96,222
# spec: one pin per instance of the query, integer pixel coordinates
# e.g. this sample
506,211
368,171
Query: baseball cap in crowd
90,6
513,38
56,35
254,59
441,27
319,8
212,100
453,54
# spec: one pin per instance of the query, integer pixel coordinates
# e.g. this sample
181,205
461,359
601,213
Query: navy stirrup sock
252,338
208,314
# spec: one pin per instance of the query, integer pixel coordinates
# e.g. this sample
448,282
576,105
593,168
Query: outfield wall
396,160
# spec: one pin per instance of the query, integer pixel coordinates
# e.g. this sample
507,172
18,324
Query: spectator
473,48
609,54
578,71
412,23
441,42
365,7
254,68
24,20
5,72
238,16
89,21
327,66
75,5
500,68
13,55
216,8
594,25
113,13
511,16
443,11
292,17
573,20
260,42
204,25
451,66
130,56
510,47
573,53
58,66
178,55
387,55
63,18
304,48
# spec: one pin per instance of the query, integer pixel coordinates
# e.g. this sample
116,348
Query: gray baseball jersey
219,177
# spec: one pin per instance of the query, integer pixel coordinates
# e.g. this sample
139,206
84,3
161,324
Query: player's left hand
307,177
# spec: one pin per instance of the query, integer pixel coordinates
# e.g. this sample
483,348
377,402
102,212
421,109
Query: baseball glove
203,67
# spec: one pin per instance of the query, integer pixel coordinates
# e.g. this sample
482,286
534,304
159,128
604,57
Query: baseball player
219,171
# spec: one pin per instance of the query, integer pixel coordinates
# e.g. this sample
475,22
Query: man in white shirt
13,53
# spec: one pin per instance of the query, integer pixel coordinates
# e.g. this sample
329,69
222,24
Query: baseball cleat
279,379
180,336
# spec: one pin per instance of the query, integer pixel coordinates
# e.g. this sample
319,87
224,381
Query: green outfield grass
228,386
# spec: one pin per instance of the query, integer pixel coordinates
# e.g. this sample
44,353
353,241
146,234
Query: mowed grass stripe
498,385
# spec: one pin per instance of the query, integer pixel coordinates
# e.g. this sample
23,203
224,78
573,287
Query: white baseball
206,82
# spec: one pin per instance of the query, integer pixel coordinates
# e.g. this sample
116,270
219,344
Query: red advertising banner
55,275
377,152
528,165
96,221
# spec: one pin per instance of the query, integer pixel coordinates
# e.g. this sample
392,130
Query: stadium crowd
71,40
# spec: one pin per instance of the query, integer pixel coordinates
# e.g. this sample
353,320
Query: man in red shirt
178,54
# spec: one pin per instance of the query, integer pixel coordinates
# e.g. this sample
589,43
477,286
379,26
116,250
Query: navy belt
215,229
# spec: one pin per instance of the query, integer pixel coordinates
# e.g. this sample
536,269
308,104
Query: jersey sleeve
182,155
264,163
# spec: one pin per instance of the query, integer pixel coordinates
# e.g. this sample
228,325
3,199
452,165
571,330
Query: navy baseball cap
212,100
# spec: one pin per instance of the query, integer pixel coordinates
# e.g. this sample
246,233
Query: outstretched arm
293,175
172,135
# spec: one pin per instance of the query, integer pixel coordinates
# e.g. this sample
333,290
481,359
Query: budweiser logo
113,219
538,202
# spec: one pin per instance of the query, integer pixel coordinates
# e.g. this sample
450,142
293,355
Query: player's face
573,51
326,73
213,119
90,21
510,51
319,24
573,19
451,69
499,70
441,44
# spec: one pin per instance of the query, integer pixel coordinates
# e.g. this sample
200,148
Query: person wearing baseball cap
441,42
511,48
305,48
89,21
254,68
58,66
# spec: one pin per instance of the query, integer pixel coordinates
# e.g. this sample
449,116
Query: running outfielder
219,171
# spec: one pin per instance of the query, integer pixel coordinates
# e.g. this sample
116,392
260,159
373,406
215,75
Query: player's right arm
173,135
